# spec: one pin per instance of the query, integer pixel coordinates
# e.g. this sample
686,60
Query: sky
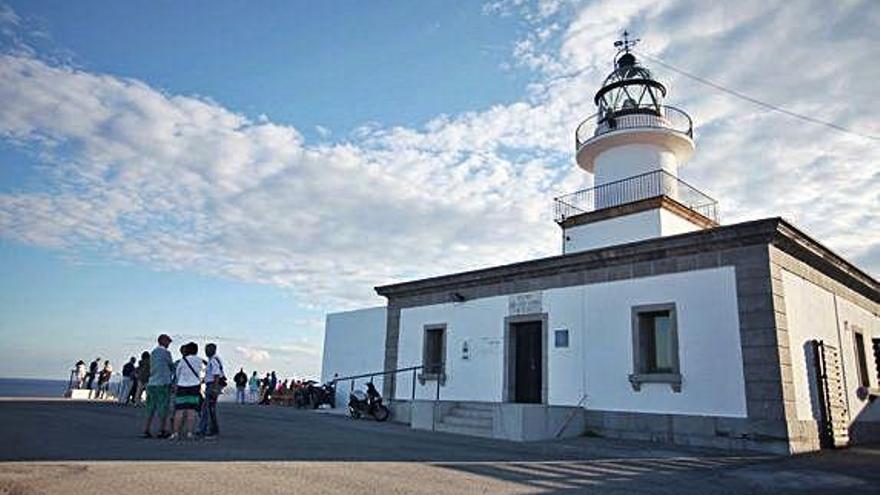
231,172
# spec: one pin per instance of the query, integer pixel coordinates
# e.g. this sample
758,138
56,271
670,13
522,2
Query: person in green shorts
159,387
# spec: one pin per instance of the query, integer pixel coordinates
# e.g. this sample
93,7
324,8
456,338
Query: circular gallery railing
642,117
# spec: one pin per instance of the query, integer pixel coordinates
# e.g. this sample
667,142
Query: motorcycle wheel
355,414
381,413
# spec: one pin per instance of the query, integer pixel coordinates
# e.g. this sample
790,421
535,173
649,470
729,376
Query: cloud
182,183
255,356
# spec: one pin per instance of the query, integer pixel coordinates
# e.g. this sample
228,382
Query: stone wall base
767,436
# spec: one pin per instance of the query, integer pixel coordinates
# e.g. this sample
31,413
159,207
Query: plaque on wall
523,304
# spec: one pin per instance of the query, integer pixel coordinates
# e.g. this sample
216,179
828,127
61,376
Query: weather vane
626,44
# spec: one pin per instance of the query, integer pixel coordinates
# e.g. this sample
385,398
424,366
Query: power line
758,102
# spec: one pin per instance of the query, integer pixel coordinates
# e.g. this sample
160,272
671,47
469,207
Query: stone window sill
673,379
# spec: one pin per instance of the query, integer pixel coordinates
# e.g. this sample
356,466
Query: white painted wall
639,226
354,344
672,224
621,162
815,313
599,358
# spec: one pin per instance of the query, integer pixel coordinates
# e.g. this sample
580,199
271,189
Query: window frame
861,358
640,374
440,375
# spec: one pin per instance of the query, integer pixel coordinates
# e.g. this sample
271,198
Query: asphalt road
70,447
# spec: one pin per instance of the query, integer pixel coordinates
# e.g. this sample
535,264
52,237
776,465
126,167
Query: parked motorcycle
362,403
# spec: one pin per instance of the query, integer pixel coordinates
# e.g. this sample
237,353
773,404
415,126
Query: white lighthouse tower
633,146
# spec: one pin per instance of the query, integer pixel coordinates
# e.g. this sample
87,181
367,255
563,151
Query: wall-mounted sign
523,304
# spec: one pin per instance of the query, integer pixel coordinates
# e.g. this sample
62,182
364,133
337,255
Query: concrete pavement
70,447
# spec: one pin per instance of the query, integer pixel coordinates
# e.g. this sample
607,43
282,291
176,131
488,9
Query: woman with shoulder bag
189,395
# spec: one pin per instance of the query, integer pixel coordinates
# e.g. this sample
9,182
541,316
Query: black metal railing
632,189
439,371
666,117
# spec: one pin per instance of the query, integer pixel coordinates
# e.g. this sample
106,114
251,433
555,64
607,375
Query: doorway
526,360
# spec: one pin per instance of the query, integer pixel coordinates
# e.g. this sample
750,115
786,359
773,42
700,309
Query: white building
656,322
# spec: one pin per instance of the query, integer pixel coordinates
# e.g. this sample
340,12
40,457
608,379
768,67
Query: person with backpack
188,393
215,381
241,381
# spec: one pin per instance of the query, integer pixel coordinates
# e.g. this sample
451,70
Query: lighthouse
633,146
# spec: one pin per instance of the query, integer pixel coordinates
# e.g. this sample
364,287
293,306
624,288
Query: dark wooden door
528,364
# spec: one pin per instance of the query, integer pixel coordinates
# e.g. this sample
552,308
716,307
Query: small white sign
524,304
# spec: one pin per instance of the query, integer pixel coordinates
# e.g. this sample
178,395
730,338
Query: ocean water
35,387
31,387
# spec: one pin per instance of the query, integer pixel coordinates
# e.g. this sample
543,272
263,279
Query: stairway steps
485,423
470,413
464,430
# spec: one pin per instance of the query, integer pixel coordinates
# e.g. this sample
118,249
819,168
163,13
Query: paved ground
67,447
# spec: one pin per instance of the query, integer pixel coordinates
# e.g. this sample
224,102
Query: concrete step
464,430
476,406
471,413
466,421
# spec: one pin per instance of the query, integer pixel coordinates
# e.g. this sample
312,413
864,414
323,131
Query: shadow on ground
71,431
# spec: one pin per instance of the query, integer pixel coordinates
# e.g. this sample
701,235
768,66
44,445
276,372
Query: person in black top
129,381
92,374
241,380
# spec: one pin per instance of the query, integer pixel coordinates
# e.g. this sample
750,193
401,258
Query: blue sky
229,171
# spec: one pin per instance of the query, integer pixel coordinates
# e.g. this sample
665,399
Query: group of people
190,386
180,391
95,379
266,390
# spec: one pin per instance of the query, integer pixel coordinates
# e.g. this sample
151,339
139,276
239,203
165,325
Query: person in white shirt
215,380
188,389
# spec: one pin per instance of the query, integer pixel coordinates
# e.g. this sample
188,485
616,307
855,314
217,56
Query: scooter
362,403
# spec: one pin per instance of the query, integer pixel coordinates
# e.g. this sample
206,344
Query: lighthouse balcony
636,117
655,187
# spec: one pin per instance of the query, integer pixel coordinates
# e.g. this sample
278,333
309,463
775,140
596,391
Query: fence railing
648,185
665,118
415,379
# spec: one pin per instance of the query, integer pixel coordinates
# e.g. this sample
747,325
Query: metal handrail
414,369
671,118
377,373
643,186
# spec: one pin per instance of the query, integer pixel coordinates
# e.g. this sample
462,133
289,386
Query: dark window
656,341
434,350
561,338
861,359
655,346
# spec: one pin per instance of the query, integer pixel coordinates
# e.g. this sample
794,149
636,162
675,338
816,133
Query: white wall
639,226
672,224
354,343
815,313
618,230
599,358
621,162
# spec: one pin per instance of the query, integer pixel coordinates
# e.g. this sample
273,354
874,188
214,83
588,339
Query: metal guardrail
410,369
666,117
648,185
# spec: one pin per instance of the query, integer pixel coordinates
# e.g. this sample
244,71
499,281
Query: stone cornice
775,231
